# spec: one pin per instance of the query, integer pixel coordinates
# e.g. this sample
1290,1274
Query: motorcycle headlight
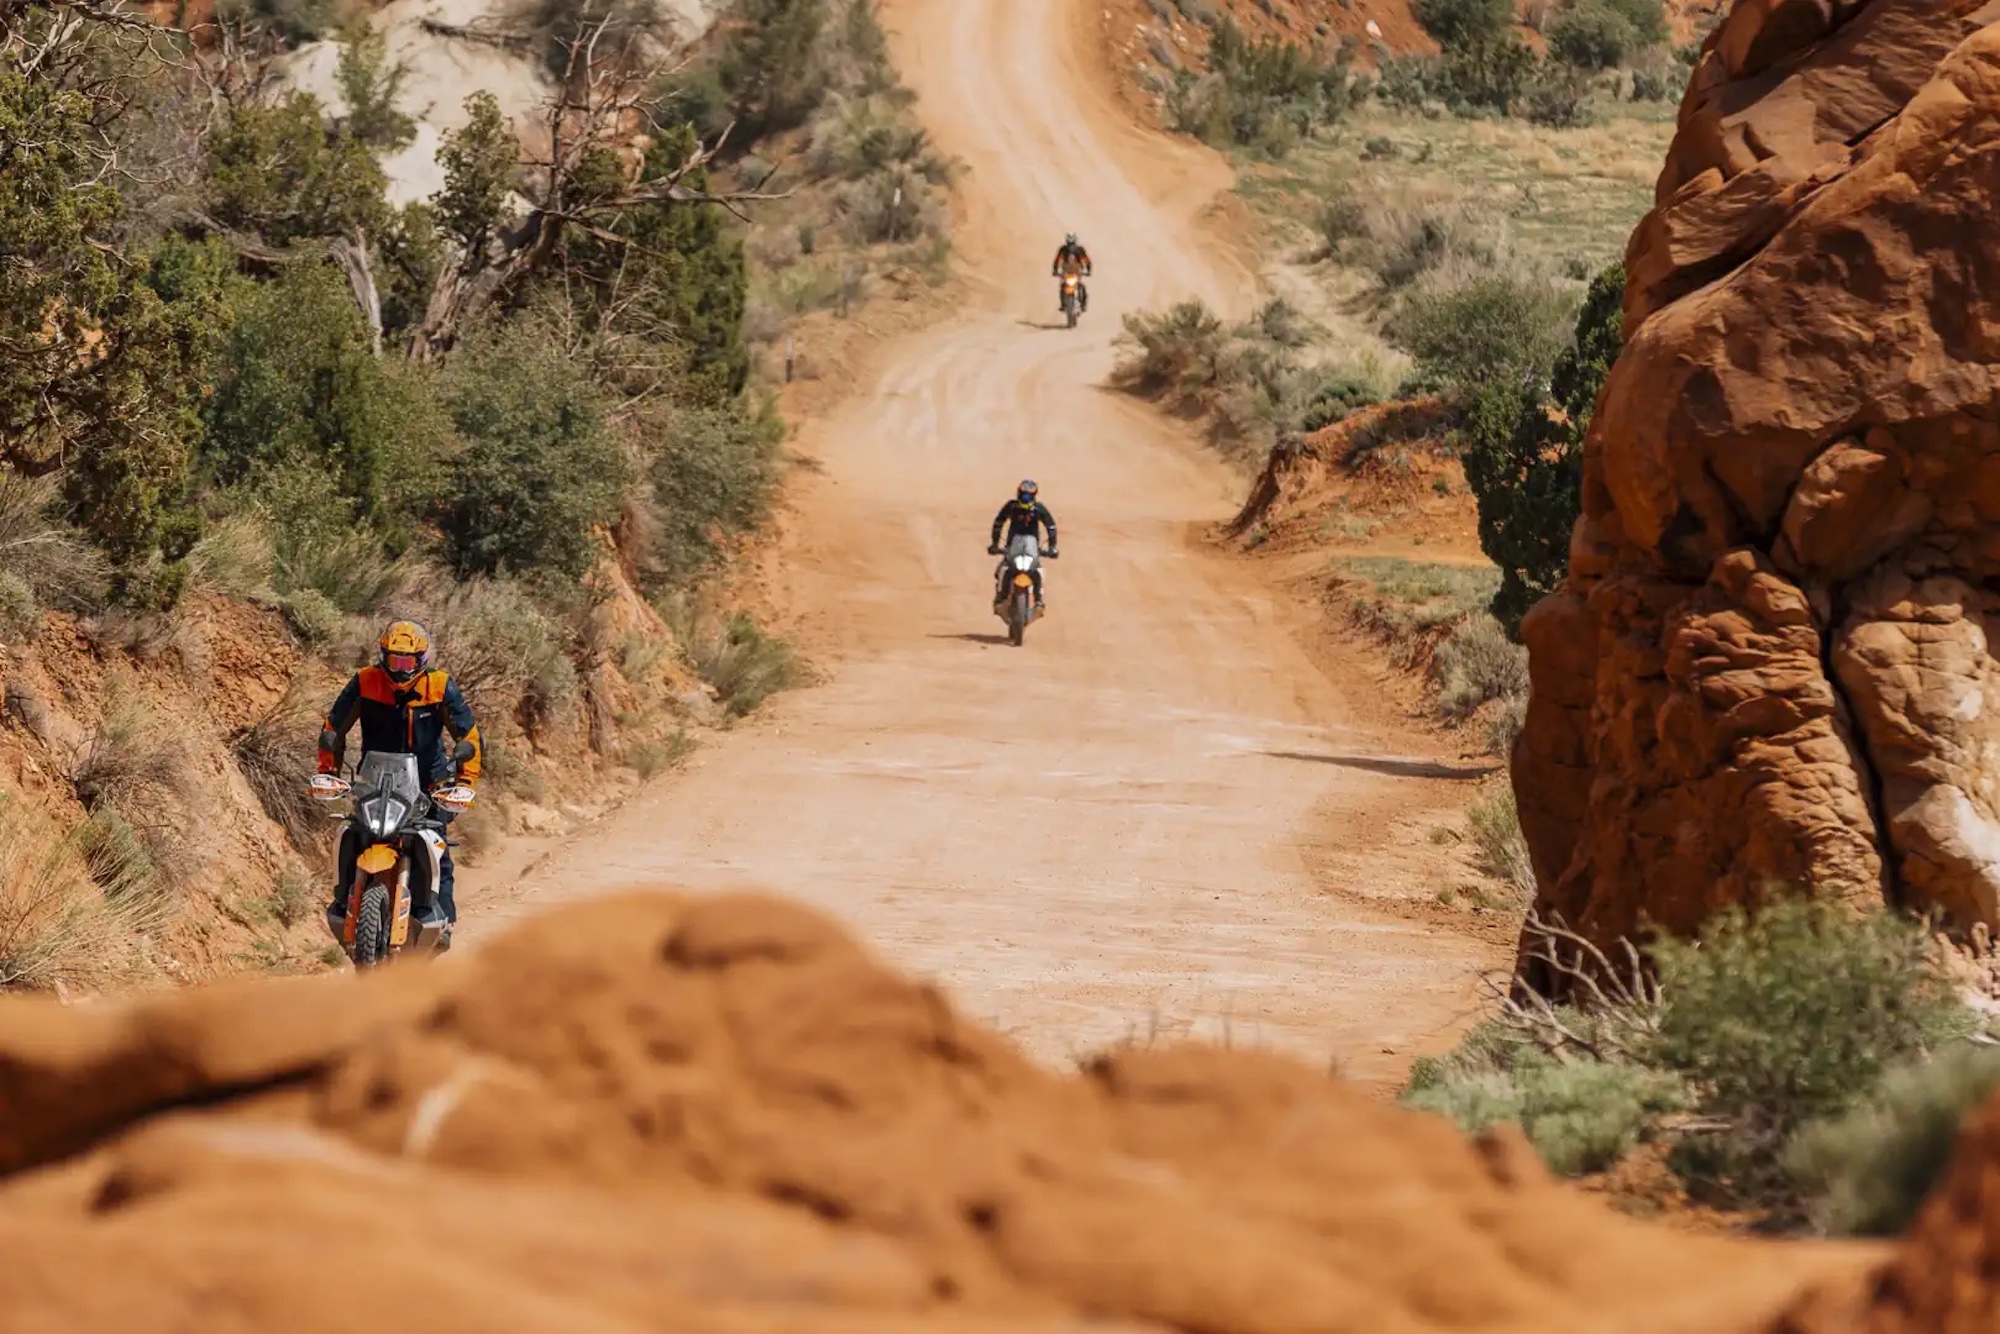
375,816
393,818
1024,562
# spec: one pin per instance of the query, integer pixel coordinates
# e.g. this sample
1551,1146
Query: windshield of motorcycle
387,792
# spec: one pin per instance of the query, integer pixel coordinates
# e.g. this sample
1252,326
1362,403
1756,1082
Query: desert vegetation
1801,1063
241,370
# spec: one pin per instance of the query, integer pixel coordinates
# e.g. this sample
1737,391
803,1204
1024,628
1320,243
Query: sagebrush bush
1786,1017
1580,1115
20,614
509,656
1261,93
1476,662
44,556
1496,330
1499,849
1865,1173
1591,36
1175,352
745,665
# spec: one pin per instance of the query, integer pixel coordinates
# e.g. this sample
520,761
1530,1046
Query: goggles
402,664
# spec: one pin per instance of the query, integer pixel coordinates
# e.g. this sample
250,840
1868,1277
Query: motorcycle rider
1071,257
404,706
1022,516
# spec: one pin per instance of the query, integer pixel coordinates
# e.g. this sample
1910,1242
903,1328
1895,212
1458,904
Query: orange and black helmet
406,650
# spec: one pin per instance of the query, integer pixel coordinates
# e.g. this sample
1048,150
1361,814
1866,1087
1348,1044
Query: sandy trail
1107,831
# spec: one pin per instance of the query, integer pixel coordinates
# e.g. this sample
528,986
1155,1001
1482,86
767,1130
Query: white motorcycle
1015,600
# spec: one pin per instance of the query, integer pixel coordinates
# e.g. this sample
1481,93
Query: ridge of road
1105,834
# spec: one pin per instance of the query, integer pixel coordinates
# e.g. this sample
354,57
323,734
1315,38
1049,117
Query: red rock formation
718,1114
1770,661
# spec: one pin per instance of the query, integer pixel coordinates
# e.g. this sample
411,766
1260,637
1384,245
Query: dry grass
1499,849
1552,198
71,916
276,758
745,665
134,774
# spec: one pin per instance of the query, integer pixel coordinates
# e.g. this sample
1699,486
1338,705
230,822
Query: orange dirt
660,1112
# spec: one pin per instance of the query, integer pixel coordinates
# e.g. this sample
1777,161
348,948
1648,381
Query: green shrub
1174,352
1496,330
1591,36
1581,1116
1262,93
713,474
1526,466
293,20
540,474
1865,1173
1461,23
1786,1017
1337,396
1646,18
50,563
743,664
300,386
771,71
509,656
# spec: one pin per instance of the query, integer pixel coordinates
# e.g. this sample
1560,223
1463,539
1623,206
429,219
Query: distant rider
1071,257
404,706
1023,516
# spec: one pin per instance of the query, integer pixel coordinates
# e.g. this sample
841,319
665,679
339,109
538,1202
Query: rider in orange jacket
1071,257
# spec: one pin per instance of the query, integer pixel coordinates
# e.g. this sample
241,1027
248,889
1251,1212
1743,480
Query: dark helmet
405,651
1025,493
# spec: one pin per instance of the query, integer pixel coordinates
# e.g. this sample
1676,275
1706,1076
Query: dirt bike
1014,602
1072,302
391,855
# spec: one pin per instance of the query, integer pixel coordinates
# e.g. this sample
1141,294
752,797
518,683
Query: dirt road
1105,832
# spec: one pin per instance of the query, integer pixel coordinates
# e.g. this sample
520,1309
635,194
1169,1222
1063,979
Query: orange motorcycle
1072,304
391,853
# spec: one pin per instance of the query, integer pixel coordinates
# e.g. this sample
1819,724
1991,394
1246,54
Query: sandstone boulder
1771,662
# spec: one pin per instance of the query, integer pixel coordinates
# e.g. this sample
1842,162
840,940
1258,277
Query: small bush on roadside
1475,663
1265,94
276,759
508,655
1499,329
540,475
20,614
1175,352
1591,36
1461,23
43,556
1340,394
1865,1173
69,917
1581,1115
745,665
1787,1017
1499,849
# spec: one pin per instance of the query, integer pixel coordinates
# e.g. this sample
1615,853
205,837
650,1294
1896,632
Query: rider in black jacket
1022,516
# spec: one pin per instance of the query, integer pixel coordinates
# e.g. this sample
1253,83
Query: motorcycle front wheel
371,927
1017,623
